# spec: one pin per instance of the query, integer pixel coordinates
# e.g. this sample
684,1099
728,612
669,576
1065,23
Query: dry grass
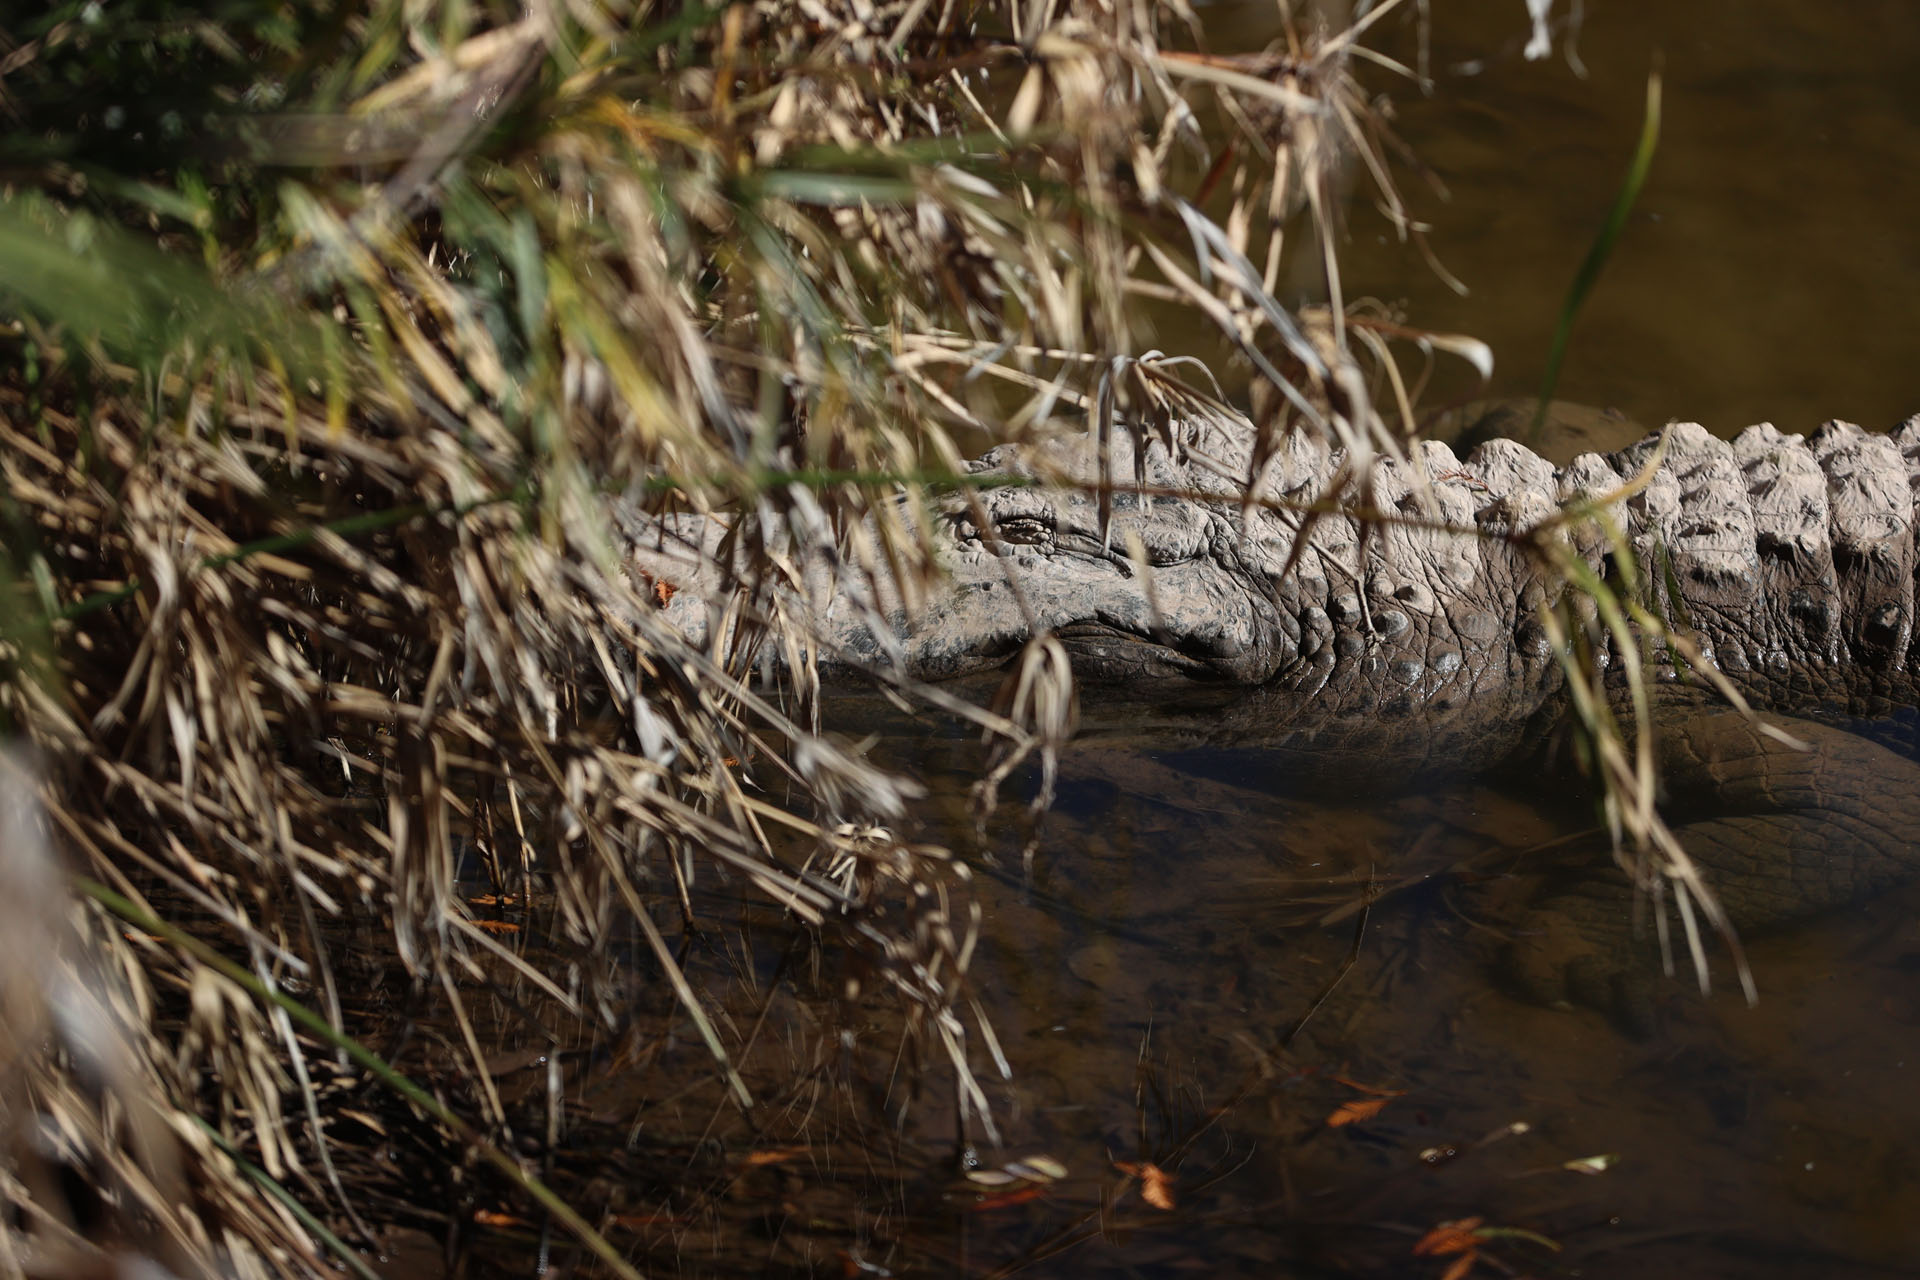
318,608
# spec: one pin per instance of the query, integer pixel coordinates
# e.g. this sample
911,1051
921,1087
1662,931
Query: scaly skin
1791,559
1779,832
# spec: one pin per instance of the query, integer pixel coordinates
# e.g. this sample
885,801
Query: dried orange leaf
1449,1237
1461,1265
1156,1184
772,1155
497,926
492,1218
1356,1111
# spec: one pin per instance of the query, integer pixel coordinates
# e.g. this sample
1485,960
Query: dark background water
1769,270
1174,927
1160,970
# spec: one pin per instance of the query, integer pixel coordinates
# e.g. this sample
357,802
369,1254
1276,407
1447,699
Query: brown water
1769,271
1168,940
1161,976
1183,918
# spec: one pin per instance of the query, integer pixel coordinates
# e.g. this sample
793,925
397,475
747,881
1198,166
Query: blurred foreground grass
333,335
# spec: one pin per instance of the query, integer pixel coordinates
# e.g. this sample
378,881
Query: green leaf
1600,250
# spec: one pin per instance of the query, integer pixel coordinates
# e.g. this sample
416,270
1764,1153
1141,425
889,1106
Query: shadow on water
1293,1001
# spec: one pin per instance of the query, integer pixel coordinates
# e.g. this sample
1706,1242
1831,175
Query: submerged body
1306,621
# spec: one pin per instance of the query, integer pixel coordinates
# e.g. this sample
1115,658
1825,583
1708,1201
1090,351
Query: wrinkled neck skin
1791,558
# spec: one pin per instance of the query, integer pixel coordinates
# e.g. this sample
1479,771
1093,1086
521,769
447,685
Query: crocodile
1791,559
1396,606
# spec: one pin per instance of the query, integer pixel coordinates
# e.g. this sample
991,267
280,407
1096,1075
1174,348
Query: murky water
1192,973
1768,272
1207,970
1185,916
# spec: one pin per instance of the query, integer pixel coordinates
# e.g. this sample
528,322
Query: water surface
1768,272
1161,969
1183,916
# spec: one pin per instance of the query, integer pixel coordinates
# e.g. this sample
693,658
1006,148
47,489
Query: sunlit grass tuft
339,368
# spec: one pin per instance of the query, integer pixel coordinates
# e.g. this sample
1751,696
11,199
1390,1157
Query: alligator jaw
1104,653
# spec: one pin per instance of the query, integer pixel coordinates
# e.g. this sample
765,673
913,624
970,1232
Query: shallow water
1178,927
1184,914
1174,927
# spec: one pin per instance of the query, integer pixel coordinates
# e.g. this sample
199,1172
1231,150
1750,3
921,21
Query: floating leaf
1356,1111
1156,1184
1591,1165
772,1155
1037,1169
1456,1236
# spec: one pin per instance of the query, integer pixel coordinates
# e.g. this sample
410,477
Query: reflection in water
1177,927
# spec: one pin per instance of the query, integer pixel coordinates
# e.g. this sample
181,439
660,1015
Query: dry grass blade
326,488
1653,857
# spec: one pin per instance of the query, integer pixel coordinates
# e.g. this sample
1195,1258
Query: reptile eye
1024,531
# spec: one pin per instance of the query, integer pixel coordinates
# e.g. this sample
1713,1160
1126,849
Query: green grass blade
349,1257
1601,249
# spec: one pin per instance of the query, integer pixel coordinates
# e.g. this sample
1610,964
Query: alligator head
1185,583
1165,587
